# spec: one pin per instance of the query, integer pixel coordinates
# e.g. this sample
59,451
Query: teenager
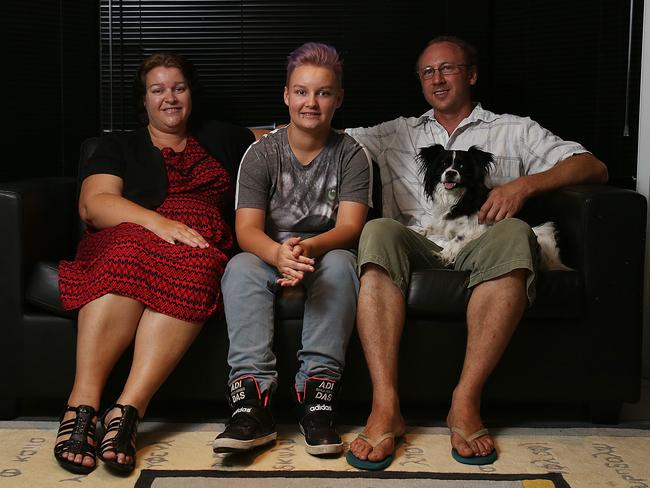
303,193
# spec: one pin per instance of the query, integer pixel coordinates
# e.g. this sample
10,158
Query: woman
148,266
302,197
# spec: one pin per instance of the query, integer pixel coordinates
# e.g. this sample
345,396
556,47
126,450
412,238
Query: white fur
461,230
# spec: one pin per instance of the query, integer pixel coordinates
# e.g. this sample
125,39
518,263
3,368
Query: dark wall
565,64
562,63
53,85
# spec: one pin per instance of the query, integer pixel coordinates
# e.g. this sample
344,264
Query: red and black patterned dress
129,260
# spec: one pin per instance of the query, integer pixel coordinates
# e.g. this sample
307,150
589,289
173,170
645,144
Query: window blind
239,47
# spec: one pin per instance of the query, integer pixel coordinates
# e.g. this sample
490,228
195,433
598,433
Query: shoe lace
242,420
318,420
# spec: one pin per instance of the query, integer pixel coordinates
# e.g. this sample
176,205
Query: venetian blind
239,47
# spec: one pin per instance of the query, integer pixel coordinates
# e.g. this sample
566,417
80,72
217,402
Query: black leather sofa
579,344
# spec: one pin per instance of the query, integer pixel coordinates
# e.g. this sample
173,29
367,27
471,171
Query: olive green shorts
508,245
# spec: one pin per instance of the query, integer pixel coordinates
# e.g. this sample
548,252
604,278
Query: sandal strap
375,441
125,426
80,428
470,437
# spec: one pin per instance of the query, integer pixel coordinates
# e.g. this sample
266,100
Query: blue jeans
328,320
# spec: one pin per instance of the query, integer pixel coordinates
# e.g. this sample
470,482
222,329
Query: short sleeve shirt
520,147
302,200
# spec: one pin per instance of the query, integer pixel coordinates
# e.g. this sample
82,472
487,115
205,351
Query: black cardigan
133,157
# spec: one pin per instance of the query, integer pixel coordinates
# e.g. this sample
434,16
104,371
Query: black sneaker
316,406
251,423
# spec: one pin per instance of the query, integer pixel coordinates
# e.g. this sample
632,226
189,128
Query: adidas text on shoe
316,406
251,423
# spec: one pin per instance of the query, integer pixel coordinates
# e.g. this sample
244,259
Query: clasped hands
292,261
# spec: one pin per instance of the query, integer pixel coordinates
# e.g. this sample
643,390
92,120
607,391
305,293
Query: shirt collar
478,113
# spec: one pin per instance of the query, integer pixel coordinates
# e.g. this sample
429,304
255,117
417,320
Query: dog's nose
450,175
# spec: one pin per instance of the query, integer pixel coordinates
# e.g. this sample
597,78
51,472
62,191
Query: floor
635,415
638,412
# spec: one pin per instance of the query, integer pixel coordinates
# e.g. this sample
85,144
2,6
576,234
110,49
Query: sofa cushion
443,293
43,294
43,289
559,294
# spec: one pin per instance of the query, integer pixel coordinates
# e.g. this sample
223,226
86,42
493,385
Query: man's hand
504,201
292,263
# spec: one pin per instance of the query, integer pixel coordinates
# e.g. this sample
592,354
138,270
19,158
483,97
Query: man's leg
502,264
387,251
493,313
380,320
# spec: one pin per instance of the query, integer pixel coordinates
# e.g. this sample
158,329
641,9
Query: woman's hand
292,262
173,231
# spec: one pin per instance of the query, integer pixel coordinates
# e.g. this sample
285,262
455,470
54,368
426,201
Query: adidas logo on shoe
251,423
316,408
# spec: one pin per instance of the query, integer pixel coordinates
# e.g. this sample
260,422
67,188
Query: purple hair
317,54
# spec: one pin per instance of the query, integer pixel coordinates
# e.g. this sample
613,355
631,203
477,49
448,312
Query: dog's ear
431,153
429,159
484,159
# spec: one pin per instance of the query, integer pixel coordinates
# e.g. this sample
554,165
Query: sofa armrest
42,217
602,232
38,220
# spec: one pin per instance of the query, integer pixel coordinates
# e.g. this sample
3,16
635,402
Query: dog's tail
549,252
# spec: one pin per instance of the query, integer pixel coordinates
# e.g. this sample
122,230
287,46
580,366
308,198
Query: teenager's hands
174,232
292,261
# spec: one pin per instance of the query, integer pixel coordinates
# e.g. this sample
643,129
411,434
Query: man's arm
506,200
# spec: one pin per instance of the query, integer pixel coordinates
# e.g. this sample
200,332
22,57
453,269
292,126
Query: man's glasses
445,69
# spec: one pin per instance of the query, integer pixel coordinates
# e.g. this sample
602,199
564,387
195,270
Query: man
528,160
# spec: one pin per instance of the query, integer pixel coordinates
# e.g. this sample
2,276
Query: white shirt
520,147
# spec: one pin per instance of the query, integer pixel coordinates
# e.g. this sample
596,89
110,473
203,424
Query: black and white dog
455,183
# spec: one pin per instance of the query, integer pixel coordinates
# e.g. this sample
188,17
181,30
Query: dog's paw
447,256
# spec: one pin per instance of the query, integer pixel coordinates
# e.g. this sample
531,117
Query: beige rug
585,457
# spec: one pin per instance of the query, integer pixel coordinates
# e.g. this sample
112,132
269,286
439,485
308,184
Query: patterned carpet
577,457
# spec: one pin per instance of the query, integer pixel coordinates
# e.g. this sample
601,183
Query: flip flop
373,442
474,460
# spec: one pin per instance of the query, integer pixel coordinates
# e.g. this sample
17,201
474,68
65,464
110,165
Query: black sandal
123,442
80,428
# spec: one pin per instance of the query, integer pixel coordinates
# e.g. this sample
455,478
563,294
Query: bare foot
379,423
87,461
466,417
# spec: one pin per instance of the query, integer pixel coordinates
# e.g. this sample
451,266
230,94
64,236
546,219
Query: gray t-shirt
302,200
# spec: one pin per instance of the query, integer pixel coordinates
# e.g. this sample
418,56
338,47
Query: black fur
472,166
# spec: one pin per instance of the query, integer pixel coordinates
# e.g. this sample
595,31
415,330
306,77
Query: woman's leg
160,343
105,328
